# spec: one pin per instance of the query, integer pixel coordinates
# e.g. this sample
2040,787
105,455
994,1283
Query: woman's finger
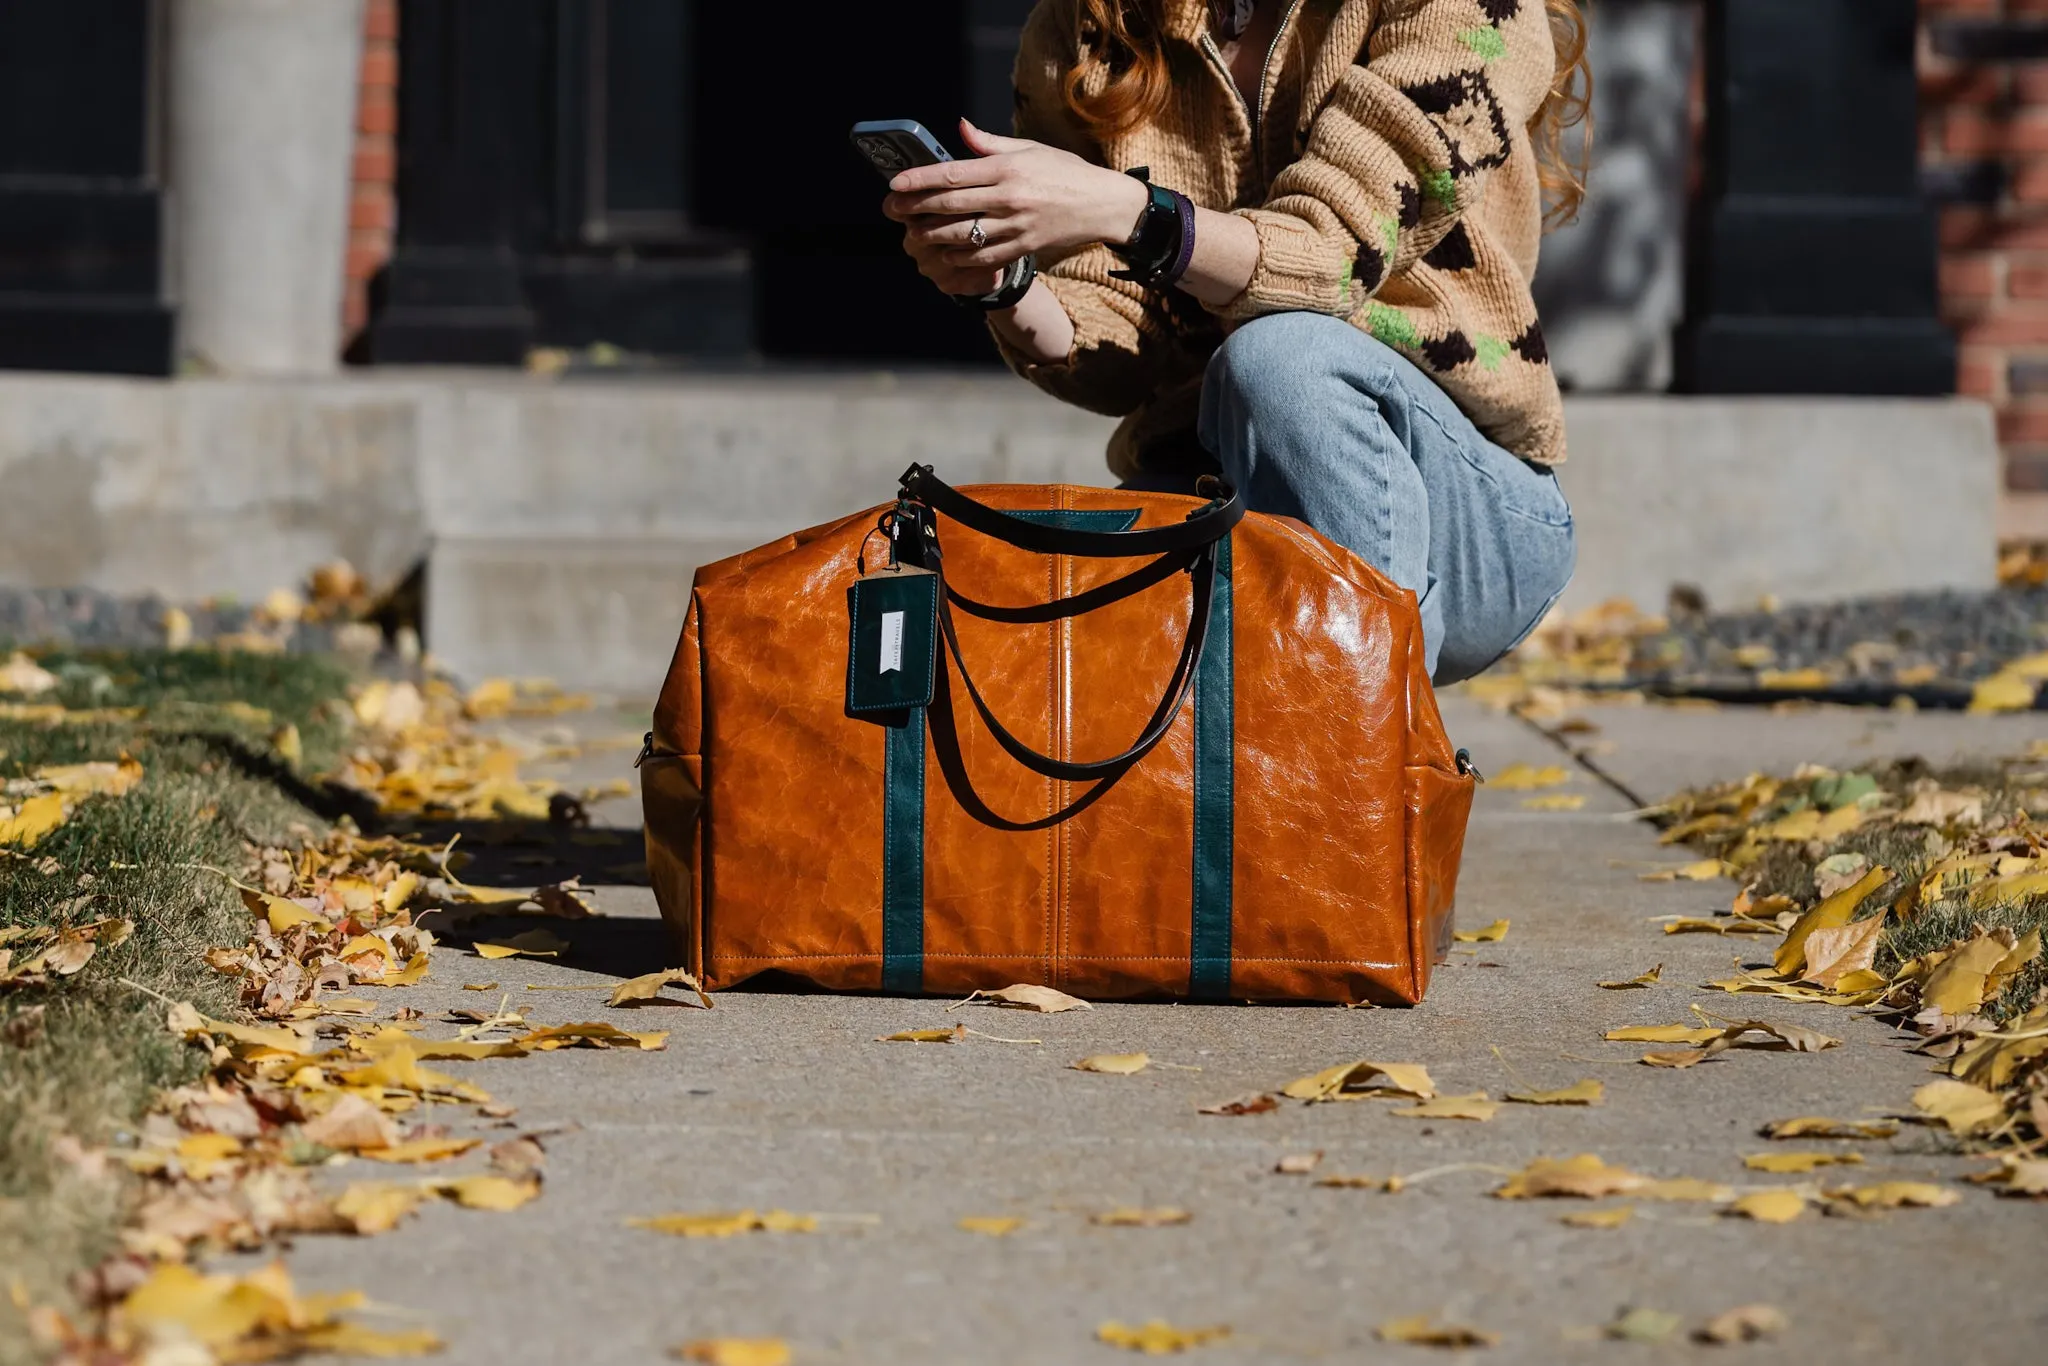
948,175
983,199
994,256
959,232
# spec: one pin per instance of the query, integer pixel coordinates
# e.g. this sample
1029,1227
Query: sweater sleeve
1399,152
1123,339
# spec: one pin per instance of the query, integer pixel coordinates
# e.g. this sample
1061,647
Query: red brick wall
372,209
1993,117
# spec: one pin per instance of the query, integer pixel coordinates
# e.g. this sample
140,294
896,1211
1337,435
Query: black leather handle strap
1089,600
1171,701
1205,527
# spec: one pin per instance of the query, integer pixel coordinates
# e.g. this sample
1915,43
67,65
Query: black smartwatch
1016,284
1159,250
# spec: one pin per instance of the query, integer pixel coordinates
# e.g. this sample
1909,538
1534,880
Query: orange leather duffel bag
1123,744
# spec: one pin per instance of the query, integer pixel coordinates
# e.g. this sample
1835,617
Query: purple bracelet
1170,277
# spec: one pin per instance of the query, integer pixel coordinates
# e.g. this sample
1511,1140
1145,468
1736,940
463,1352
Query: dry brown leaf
1344,1181
1832,954
1114,1064
1721,925
1587,1092
1778,1206
1648,979
1133,1217
593,1034
1028,996
351,1124
1356,1080
953,1035
1958,985
1745,1323
479,986
1613,1217
1474,1106
1584,1177
1420,1330
1158,1337
990,1225
1832,913
1254,1103
735,1352
1298,1164
648,987
1817,1126
2018,1177
1799,1162
1490,934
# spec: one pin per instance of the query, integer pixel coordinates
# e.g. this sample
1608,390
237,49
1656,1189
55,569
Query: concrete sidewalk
786,1101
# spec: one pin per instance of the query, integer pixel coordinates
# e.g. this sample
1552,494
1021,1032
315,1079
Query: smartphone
893,145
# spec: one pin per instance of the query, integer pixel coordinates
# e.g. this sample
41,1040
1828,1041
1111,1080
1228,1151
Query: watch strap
1017,280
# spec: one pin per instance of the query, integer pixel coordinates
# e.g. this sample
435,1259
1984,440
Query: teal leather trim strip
903,855
1080,519
1215,779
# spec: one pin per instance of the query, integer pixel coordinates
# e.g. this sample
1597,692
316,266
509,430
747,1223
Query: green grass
212,786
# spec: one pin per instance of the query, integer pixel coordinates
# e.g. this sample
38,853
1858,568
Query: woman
1324,288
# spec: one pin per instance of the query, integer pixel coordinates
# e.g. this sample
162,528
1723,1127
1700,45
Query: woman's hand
1027,197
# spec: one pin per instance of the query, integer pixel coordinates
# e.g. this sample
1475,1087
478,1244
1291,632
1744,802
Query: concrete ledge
561,520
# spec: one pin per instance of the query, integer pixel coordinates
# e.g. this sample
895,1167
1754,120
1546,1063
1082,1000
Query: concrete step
561,520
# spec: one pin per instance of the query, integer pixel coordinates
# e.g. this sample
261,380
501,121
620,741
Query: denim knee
1264,381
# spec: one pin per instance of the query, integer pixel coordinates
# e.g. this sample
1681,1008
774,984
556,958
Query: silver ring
976,236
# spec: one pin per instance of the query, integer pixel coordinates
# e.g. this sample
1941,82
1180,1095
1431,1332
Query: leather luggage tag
892,647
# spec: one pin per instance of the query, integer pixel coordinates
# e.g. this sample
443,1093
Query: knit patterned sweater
1389,172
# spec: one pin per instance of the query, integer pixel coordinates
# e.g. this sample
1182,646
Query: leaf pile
1920,899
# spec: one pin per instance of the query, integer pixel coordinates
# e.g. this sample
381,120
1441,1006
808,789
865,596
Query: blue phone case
892,145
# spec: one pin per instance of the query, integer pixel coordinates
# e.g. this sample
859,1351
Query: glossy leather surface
764,799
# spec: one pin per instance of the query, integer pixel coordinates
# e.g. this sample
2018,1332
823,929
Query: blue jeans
1314,419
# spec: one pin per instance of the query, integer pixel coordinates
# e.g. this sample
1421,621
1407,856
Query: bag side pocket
1439,803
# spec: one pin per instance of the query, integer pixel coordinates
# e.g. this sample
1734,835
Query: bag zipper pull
647,749
1467,767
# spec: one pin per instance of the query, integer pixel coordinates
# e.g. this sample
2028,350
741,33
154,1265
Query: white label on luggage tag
892,643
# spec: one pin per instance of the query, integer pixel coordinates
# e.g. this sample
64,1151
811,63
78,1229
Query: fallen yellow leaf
421,1150
371,1207
1028,996
648,987
953,1035
726,1225
1799,1162
1702,871
1897,1195
1816,1126
488,1191
990,1225
1587,1092
1422,1331
1585,1177
1115,1064
1159,1338
532,944
1780,1206
1614,1217
1648,979
1131,1217
593,1034
1964,1108
1557,801
735,1352
1832,913
1745,1323
1355,1080
1493,933
1671,1033
1684,1189
1474,1106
